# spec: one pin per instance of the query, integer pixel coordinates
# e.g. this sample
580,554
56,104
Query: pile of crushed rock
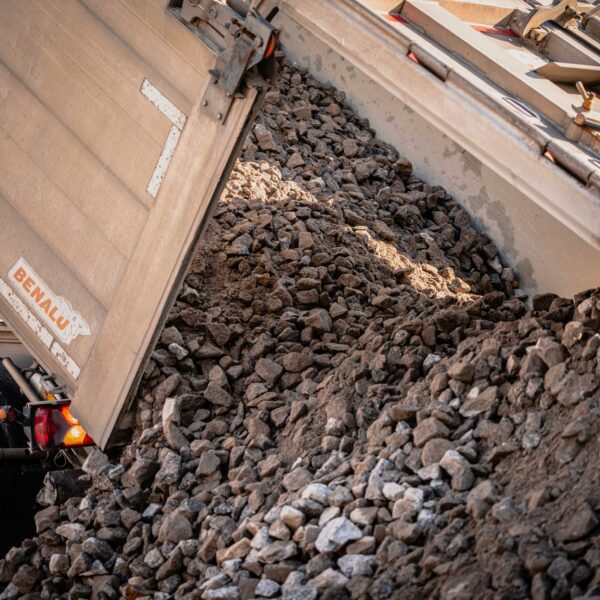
351,399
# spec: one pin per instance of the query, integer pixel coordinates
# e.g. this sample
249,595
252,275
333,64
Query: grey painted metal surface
109,168
11,347
462,131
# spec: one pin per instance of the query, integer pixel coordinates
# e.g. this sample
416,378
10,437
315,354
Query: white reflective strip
163,162
178,119
25,314
163,104
65,360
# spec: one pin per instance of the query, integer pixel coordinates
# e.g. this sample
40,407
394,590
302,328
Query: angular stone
305,240
393,491
167,387
46,518
292,517
336,534
364,516
215,394
462,370
319,319
329,579
295,161
428,429
296,362
457,466
140,474
208,464
95,463
383,231
484,402
575,387
409,505
481,498
317,492
300,592
297,479
240,246
350,147
278,552
551,352
268,370
175,527
25,578
405,531
264,137
230,592
357,565
170,467
71,531
238,550
59,564
434,449
576,524
573,333
267,588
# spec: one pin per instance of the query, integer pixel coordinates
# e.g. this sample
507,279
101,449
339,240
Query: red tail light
56,427
44,429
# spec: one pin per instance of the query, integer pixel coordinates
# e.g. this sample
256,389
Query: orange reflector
75,436
65,411
271,45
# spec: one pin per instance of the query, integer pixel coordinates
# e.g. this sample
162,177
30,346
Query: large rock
336,534
428,429
458,467
175,527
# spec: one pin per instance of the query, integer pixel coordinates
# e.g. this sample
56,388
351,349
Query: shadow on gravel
18,490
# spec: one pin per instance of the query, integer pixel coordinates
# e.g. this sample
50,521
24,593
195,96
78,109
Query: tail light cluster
55,427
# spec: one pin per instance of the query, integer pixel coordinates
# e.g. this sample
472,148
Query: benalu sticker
55,311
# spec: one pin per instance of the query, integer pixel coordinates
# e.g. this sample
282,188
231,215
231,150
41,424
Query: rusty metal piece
583,117
587,96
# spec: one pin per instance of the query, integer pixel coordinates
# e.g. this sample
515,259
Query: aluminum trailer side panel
109,166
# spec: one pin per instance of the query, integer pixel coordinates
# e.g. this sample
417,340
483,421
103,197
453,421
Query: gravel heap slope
350,399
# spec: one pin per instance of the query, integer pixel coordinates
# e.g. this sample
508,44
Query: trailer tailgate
109,167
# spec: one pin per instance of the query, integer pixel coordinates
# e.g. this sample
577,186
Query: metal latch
242,41
527,24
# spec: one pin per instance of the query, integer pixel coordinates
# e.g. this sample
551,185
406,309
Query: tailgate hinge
242,40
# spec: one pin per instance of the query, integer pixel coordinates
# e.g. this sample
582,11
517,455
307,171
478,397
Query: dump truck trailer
121,121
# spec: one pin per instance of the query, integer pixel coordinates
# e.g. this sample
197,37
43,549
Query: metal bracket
525,23
240,38
585,115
